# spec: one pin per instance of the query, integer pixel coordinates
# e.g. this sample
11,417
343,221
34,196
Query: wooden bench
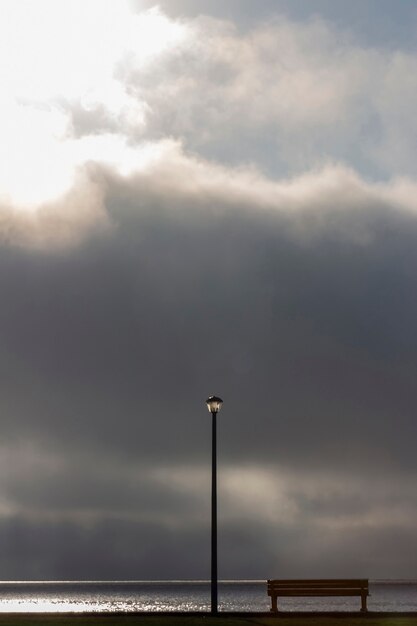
312,588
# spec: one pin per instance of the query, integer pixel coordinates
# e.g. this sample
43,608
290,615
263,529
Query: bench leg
363,607
274,608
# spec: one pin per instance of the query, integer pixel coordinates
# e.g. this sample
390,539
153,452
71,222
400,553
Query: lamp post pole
214,405
214,513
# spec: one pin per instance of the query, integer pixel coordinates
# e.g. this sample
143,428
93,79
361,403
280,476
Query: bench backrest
353,584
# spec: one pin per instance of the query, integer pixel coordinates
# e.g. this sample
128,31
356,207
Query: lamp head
214,404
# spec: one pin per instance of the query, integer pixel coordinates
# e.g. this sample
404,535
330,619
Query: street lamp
214,405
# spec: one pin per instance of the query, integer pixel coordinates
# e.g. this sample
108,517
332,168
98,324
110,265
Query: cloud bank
220,211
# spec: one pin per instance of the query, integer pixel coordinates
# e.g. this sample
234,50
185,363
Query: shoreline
225,614
180,618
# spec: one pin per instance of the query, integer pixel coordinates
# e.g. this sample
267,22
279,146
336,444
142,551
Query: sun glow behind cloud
55,48
58,54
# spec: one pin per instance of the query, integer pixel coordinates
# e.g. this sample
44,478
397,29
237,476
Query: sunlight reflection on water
78,597
37,597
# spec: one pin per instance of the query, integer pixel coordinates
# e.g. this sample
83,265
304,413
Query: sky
204,197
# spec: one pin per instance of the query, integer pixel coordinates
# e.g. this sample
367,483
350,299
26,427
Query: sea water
173,596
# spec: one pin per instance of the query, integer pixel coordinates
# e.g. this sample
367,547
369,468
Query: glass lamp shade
214,404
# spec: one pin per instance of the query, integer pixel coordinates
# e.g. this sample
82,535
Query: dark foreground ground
253,619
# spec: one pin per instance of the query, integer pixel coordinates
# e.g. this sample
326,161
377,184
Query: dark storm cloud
107,550
302,318
293,301
136,550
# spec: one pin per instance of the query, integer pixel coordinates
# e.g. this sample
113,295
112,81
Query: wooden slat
335,584
317,592
318,581
323,586
345,586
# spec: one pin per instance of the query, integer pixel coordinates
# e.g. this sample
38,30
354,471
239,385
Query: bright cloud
74,51
70,57
97,83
